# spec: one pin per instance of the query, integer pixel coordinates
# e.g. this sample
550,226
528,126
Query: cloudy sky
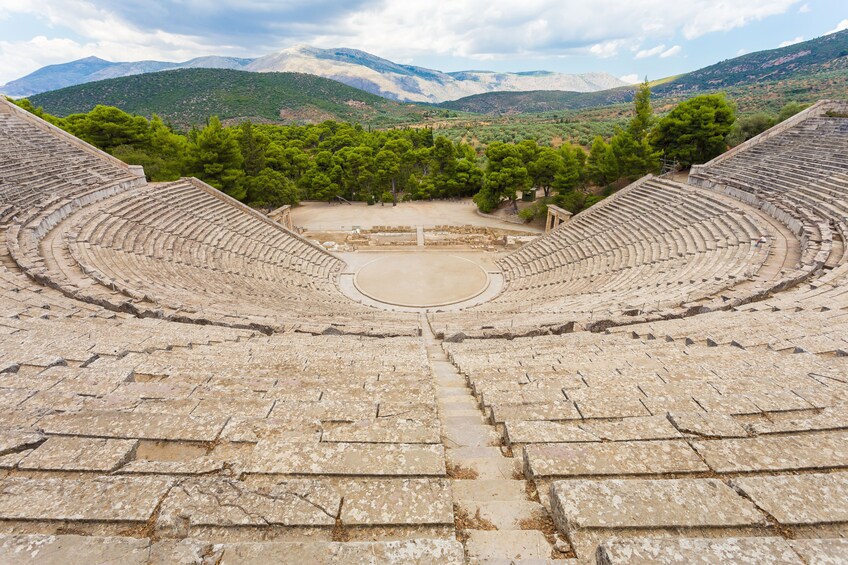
654,38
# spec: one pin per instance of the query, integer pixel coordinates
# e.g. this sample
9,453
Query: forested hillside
187,97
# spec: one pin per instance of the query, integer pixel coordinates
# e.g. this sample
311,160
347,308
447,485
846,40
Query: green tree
601,164
745,128
214,156
544,169
506,174
570,173
252,149
789,110
108,127
695,130
270,189
643,115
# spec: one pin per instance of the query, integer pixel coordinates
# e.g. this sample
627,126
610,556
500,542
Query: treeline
271,165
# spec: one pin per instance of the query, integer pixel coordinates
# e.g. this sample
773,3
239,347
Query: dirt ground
320,216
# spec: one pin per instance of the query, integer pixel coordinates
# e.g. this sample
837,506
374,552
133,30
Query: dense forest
271,165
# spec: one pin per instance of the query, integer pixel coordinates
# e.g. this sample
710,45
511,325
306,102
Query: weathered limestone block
510,546
353,459
822,551
385,430
649,504
775,453
17,439
251,430
229,503
198,466
696,551
707,424
614,458
402,552
398,502
60,453
800,499
106,499
632,429
62,550
550,411
173,427
333,411
541,431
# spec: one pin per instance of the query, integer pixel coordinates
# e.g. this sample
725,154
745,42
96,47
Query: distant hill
793,71
187,97
91,69
355,68
409,83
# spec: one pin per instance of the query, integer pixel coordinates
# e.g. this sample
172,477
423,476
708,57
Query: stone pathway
497,512
419,231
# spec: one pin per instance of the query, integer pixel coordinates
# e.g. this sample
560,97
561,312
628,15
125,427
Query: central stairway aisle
497,513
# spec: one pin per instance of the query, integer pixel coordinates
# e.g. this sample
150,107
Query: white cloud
670,52
644,53
741,52
632,78
792,41
472,29
804,9
839,27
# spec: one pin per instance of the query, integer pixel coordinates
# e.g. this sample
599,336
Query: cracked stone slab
398,502
104,499
696,551
198,466
775,453
331,411
63,549
649,504
800,499
709,424
832,551
18,439
549,411
251,430
541,431
129,425
613,458
632,429
420,551
229,503
11,460
62,453
835,418
385,430
346,459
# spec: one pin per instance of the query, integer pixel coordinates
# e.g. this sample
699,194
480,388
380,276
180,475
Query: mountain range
355,68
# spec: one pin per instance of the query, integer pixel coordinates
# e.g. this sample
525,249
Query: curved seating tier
655,248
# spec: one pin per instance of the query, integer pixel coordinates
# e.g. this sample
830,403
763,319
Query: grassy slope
188,97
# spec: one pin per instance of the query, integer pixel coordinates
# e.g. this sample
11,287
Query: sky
629,39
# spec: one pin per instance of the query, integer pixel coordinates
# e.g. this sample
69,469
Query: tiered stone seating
636,438
656,248
797,173
708,423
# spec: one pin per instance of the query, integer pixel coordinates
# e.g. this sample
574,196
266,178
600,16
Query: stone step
479,435
509,546
507,514
488,490
487,462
